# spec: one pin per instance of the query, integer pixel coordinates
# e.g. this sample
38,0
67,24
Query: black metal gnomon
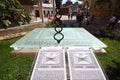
58,36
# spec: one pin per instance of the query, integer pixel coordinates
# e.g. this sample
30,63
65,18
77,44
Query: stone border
17,31
12,36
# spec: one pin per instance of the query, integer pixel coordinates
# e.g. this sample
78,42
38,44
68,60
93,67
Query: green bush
11,11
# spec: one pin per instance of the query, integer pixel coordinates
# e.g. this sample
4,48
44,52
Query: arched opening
48,13
37,13
44,13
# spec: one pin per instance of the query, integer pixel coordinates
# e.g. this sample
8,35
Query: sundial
43,37
51,62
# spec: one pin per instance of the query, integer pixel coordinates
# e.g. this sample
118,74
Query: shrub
11,11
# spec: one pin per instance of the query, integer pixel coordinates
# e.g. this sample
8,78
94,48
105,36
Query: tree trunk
41,10
53,8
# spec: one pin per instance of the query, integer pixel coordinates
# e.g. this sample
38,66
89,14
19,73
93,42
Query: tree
58,3
11,11
30,2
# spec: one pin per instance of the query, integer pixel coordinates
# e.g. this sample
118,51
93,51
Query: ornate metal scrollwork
58,36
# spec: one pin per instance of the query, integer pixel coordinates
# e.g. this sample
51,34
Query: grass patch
13,67
111,60
17,68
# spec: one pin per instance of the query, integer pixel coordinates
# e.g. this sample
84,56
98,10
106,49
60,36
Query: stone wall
17,31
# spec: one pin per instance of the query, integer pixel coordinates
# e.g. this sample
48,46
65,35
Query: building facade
102,7
47,6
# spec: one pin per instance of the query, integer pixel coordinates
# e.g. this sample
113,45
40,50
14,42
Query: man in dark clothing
112,22
79,18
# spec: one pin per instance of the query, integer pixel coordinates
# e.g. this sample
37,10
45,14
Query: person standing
79,18
88,19
70,13
112,22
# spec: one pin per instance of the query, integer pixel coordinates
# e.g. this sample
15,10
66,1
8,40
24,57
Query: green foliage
50,25
115,34
30,2
11,11
111,60
58,3
35,1
103,31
